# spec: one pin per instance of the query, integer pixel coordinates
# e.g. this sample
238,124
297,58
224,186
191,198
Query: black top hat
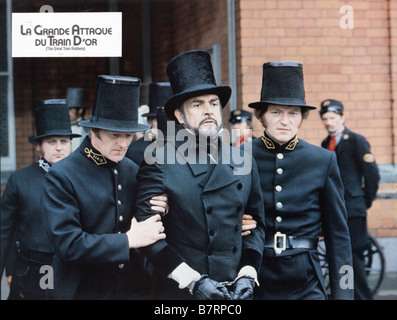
162,120
331,105
282,84
75,97
191,75
52,119
159,93
116,105
240,115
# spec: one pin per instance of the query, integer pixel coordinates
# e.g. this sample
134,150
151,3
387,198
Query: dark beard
212,134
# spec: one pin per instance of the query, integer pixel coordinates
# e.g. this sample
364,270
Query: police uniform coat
204,224
303,197
359,172
21,222
360,176
88,202
20,212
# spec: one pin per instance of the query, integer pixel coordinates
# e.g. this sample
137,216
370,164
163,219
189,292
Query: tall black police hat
159,93
116,105
75,97
331,105
191,74
162,120
282,84
237,116
52,119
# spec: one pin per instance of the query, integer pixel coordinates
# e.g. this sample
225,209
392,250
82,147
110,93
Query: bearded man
204,250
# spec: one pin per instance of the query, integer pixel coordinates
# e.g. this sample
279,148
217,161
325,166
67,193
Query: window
7,126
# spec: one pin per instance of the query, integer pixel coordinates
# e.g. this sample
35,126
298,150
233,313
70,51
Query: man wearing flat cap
159,93
360,176
303,196
21,219
77,110
89,201
241,122
204,255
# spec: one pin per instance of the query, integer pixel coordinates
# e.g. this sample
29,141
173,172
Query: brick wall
382,217
355,66
199,24
350,65
162,32
130,64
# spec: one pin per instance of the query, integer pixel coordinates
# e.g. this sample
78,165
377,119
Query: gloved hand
243,288
208,289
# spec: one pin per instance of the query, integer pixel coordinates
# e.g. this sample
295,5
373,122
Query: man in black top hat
21,219
241,121
303,196
207,196
360,176
159,93
77,110
88,203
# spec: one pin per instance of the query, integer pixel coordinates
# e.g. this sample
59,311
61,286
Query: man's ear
300,123
178,115
38,148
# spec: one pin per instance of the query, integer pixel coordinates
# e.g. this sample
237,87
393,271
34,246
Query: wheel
374,263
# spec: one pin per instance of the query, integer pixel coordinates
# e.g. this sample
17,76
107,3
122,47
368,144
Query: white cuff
184,275
249,271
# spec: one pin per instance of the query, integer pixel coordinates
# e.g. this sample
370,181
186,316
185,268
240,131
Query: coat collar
273,146
44,164
346,135
215,174
94,155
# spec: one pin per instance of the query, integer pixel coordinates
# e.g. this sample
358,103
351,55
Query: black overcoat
359,172
303,197
204,223
88,202
20,212
136,150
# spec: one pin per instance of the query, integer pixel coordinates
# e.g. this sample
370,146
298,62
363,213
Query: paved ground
388,289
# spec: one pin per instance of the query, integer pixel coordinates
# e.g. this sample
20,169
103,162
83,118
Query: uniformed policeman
159,93
88,203
77,110
207,197
21,219
303,196
241,121
360,176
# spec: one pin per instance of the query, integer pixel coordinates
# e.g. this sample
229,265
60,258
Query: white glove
184,275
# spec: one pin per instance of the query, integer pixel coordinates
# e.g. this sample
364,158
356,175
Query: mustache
208,118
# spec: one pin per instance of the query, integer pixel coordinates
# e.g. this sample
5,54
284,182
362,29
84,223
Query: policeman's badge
346,136
96,157
369,158
44,164
291,146
268,143
326,103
